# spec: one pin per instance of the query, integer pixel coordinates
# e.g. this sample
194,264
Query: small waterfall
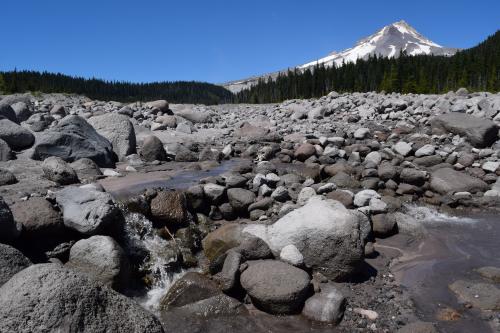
431,216
160,261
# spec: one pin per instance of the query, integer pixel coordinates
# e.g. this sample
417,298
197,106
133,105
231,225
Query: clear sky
214,40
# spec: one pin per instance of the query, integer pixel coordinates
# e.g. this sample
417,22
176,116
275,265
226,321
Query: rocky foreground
285,239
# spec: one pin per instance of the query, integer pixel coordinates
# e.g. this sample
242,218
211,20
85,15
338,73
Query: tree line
174,92
477,69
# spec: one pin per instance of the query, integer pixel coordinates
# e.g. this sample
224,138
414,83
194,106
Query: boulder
313,229
22,111
118,130
229,274
160,105
9,228
222,239
57,170
190,288
17,137
326,306
152,149
413,176
72,139
214,192
5,151
304,151
276,287
479,131
102,259
6,112
88,211
58,110
402,148
12,261
7,177
196,117
86,169
168,208
51,298
447,180
39,219
240,199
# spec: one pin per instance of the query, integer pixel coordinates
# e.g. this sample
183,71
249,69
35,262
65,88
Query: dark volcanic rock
480,132
11,262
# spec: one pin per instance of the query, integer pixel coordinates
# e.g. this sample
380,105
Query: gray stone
73,138
425,150
169,208
312,229
190,288
9,228
7,177
362,198
57,170
479,131
214,192
447,180
418,327
413,176
6,112
5,151
229,274
402,148
51,298
12,261
240,199
326,306
87,211
290,254
118,130
22,111
276,287
86,169
17,137
152,149
102,259
58,110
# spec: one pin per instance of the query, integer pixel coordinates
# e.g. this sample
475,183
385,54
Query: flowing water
452,249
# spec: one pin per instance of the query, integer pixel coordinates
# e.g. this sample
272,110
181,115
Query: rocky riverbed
346,213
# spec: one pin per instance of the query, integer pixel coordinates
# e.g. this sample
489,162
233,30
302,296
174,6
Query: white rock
374,157
402,148
426,150
111,173
328,187
305,194
291,255
361,133
362,198
377,206
490,166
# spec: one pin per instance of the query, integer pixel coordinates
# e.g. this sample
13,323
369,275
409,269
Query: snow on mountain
387,42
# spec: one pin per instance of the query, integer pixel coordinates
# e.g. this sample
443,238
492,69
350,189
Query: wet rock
40,221
169,208
152,149
484,296
7,177
253,248
55,298
12,261
276,287
73,138
418,327
88,211
229,274
311,229
9,228
383,225
240,199
102,259
17,137
447,180
58,171
190,288
326,306
5,151
118,130
492,273
222,239
479,131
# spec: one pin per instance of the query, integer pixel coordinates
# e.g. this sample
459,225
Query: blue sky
214,40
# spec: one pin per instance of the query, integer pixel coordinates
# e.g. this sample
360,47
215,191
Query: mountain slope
387,42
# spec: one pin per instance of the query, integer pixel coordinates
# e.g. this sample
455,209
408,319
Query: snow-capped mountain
387,42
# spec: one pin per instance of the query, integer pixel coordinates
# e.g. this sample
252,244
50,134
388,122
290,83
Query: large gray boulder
17,137
327,234
5,151
56,169
7,112
73,138
447,180
276,287
326,306
118,130
22,111
102,259
240,199
479,131
152,149
11,262
51,298
9,228
39,219
160,105
87,211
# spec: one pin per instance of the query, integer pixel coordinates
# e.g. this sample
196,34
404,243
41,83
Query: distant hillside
477,69
174,92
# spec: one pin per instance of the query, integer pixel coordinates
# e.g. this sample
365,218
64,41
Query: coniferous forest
477,69
174,92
